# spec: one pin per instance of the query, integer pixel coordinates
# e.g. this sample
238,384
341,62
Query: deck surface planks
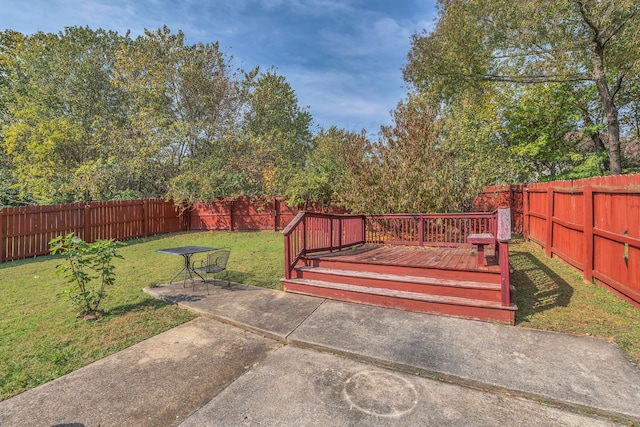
451,258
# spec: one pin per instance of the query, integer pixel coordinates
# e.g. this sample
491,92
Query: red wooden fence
26,231
592,224
256,213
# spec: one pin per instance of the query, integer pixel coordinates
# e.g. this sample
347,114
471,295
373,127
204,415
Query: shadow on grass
142,305
538,288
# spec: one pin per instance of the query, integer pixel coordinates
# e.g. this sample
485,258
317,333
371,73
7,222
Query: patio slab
268,312
580,372
302,387
158,382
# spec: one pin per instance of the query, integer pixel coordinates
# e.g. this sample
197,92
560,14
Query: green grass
40,338
553,296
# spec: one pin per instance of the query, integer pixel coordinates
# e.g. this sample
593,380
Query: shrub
88,270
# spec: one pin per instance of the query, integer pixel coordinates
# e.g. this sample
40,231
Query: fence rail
25,231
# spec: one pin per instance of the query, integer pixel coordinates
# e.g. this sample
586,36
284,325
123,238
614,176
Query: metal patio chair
215,263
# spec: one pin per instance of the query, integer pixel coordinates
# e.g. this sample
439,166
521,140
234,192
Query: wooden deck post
505,273
503,237
504,224
287,257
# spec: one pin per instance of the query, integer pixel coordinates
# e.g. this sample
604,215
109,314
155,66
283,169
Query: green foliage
337,170
580,56
432,162
93,115
89,270
279,129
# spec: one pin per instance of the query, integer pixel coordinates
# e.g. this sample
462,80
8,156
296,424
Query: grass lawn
40,338
553,296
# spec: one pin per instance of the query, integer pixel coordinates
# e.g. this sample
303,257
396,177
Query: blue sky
343,58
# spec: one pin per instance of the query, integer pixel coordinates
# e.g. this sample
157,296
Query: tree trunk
610,110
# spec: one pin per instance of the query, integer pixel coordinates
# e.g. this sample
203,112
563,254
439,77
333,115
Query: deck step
411,301
409,283
401,278
488,274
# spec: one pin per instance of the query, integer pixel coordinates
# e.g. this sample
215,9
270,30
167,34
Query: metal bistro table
186,252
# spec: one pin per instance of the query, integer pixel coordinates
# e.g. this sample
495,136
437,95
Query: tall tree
184,104
582,42
279,129
57,101
339,169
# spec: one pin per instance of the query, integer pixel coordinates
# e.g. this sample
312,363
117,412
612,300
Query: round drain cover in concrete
380,393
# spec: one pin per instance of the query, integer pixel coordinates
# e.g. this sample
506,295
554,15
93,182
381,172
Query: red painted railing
428,229
316,232
311,232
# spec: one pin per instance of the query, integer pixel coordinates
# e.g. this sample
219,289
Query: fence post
87,222
421,230
1,235
549,225
525,212
145,217
230,204
587,203
276,213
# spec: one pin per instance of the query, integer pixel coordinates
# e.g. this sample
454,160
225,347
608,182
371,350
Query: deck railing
311,232
316,232
428,229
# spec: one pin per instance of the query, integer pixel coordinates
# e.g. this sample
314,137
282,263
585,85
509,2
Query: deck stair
462,292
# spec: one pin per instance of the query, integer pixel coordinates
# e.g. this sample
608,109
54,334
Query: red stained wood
592,224
450,306
26,231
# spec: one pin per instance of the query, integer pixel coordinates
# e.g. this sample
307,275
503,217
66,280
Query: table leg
186,271
177,274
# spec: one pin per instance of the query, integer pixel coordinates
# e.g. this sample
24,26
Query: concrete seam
286,338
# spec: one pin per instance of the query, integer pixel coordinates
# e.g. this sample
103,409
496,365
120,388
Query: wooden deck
440,280
445,258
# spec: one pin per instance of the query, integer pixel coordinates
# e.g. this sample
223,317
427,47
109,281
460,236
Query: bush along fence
592,224
25,231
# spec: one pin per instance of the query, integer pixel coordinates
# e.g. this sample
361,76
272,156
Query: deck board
451,258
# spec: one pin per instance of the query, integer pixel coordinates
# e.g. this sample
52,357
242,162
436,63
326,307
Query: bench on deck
481,240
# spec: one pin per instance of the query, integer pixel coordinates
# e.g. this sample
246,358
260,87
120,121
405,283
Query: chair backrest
218,259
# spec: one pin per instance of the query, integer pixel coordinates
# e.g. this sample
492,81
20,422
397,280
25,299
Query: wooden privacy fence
592,224
255,213
25,231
